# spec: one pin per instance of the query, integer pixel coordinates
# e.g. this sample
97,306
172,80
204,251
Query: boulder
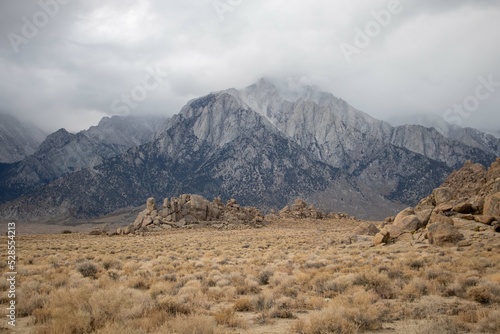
495,186
424,215
138,220
165,212
444,207
389,219
409,223
477,203
147,221
426,202
198,207
183,199
440,219
150,204
492,205
381,238
443,234
393,230
366,228
487,220
166,203
463,207
442,195
466,216
403,214
189,220
128,230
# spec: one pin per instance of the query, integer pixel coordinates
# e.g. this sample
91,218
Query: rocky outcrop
300,209
471,193
189,210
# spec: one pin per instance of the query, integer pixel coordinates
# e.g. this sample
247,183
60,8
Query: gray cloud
427,59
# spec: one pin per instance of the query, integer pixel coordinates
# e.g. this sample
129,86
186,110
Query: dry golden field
291,276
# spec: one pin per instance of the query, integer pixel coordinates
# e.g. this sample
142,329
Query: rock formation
471,193
300,209
189,210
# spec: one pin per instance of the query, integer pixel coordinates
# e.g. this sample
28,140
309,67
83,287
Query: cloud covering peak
66,63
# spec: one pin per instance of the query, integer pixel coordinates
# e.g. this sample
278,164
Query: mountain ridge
18,139
265,148
63,153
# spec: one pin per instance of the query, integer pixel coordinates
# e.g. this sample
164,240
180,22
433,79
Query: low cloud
90,53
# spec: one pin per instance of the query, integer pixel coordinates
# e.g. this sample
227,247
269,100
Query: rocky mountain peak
56,140
263,145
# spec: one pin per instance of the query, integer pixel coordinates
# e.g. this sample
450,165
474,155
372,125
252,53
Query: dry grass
289,277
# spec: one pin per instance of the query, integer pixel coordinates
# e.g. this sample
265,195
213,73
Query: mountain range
263,145
18,140
63,153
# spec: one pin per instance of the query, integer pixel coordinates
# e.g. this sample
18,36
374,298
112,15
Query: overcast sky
83,57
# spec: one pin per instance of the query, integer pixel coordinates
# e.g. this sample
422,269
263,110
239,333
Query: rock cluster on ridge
190,210
300,209
470,193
